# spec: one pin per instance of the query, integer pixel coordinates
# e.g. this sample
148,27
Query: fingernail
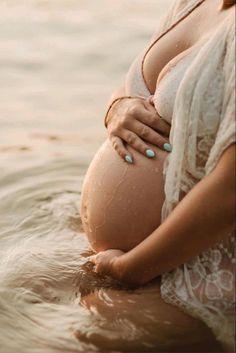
150,153
129,159
167,147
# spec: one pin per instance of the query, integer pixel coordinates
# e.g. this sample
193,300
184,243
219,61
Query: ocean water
60,60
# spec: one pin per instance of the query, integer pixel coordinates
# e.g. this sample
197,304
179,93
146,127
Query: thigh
140,321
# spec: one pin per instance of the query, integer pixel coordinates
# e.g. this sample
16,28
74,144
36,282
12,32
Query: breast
121,204
169,82
134,82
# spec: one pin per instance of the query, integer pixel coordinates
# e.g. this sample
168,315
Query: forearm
204,217
114,98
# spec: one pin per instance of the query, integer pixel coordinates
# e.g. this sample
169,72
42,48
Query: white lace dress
203,126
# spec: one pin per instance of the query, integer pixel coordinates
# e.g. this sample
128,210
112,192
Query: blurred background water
59,62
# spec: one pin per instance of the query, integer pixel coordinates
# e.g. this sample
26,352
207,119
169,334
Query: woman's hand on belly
136,122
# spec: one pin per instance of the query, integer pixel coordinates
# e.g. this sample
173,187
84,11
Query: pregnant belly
121,203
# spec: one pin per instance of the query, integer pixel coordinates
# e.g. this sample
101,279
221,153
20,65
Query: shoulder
180,7
177,10
229,52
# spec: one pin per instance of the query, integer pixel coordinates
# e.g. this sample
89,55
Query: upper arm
224,176
225,168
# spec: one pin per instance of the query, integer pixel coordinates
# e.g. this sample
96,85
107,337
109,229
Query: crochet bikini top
168,82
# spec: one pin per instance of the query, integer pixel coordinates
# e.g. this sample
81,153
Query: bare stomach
121,203
120,206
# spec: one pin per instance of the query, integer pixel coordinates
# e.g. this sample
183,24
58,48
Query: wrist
118,268
114,103
111,109
123,271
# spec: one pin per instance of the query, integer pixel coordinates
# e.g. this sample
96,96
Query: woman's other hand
136,122
105,263
112,263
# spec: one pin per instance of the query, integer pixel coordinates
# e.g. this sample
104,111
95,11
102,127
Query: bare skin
114,215
160,324
127,122
127,224
208,208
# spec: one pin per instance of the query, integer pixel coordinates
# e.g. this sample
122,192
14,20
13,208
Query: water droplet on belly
110,201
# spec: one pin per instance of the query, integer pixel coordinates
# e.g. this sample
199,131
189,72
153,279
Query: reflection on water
59,62
43,259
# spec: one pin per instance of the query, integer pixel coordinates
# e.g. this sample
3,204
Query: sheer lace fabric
203,126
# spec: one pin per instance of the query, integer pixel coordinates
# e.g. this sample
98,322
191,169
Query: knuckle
120,152
115,130
111,131
130,139
124,121
153,121
121,120
117,125
131,111
115,145
118,148
144,132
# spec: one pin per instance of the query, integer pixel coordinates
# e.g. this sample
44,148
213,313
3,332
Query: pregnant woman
160,190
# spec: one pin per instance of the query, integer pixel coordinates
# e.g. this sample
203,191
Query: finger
136,110
119,147
149,135
138,144
149,100
149,104
154,121
92,258
96,262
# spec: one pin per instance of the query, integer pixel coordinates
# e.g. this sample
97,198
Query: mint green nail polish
150,153
167,147
129,159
